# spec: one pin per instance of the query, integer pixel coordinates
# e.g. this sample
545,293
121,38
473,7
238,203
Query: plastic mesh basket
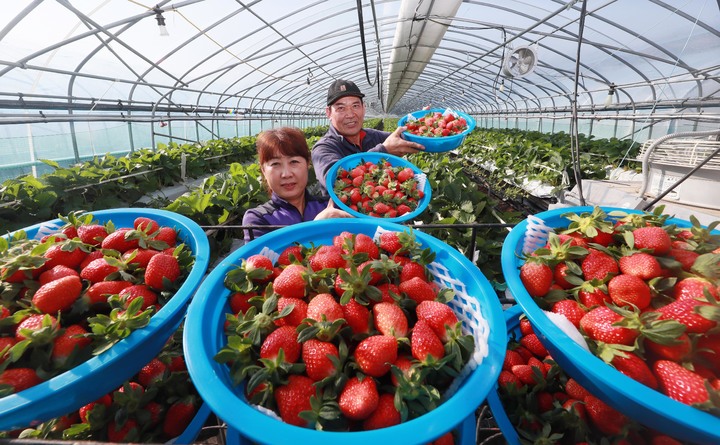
105,372
352,161
437,144
476,305
645,405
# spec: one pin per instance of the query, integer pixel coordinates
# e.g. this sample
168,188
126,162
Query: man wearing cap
346,111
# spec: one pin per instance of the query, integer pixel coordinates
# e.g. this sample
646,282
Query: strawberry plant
332,335
153,406
379,189
644,293
77,291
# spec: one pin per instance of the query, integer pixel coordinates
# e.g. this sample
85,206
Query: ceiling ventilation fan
519,62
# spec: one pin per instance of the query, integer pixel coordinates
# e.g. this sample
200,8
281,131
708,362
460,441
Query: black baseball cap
341,88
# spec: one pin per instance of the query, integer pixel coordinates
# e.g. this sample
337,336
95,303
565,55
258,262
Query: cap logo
343,88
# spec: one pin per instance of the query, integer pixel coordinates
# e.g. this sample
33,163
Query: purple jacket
332,146
277,212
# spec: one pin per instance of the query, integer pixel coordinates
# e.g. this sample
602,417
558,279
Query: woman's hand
331,212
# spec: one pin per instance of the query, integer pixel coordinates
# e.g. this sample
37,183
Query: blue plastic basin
438,144
98,376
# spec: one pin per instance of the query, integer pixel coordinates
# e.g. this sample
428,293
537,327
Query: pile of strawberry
347,336
378,189
643,293
437,124
545,405
154,406
75,293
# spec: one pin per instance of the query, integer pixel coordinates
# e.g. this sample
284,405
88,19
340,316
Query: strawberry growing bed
640,291
86,301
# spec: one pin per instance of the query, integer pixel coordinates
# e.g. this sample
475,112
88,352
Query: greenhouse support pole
73,138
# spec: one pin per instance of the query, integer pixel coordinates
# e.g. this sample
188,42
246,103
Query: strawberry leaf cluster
75,293
643,292
378,189
353,335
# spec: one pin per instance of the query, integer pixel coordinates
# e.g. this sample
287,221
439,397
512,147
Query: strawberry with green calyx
413,395
641,265
294,398
605,418
359,398
629,291
685,386
598,265
655,239
123,432
291,255
390,319
107,330
257,324
162,272
375,354
98,293
385,415
58,295
71,347
592,293
240,355
14,380
357,316
321,358
355,283
418,290
327,257
107,268
324,307
593,226
292,281
536,276
294,317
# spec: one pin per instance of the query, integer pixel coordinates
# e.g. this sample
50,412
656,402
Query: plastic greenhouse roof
99,59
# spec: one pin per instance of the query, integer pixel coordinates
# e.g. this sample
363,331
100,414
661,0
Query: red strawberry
641,265
291,283
656,239
316,356
390,242
536,277
684,311
605,418
390,319
418,289
294,397
145,224
99,292
571,309
388,290
375,354
576,408
525,374
385,414
507,378
324,305
413,269
92,256
575,390
122,240
178,417
36,323
139,291
597,265
634,367
694,288
629,290
598,325
58,295
425,345
365,244
534,345
154,372
70,340
676,352
239,303
560,276
686,258
445,439
591,296
85,410
126,432
99,270
357,316
289,254
284,338
67,254
296,316
526,327
512,358
439,316
359,398
664,440
140,257
56,272
258,268
708,349
680,383
19,378
161,267
168,235
92,234
5,344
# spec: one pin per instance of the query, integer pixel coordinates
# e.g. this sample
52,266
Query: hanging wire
378,62
574,133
